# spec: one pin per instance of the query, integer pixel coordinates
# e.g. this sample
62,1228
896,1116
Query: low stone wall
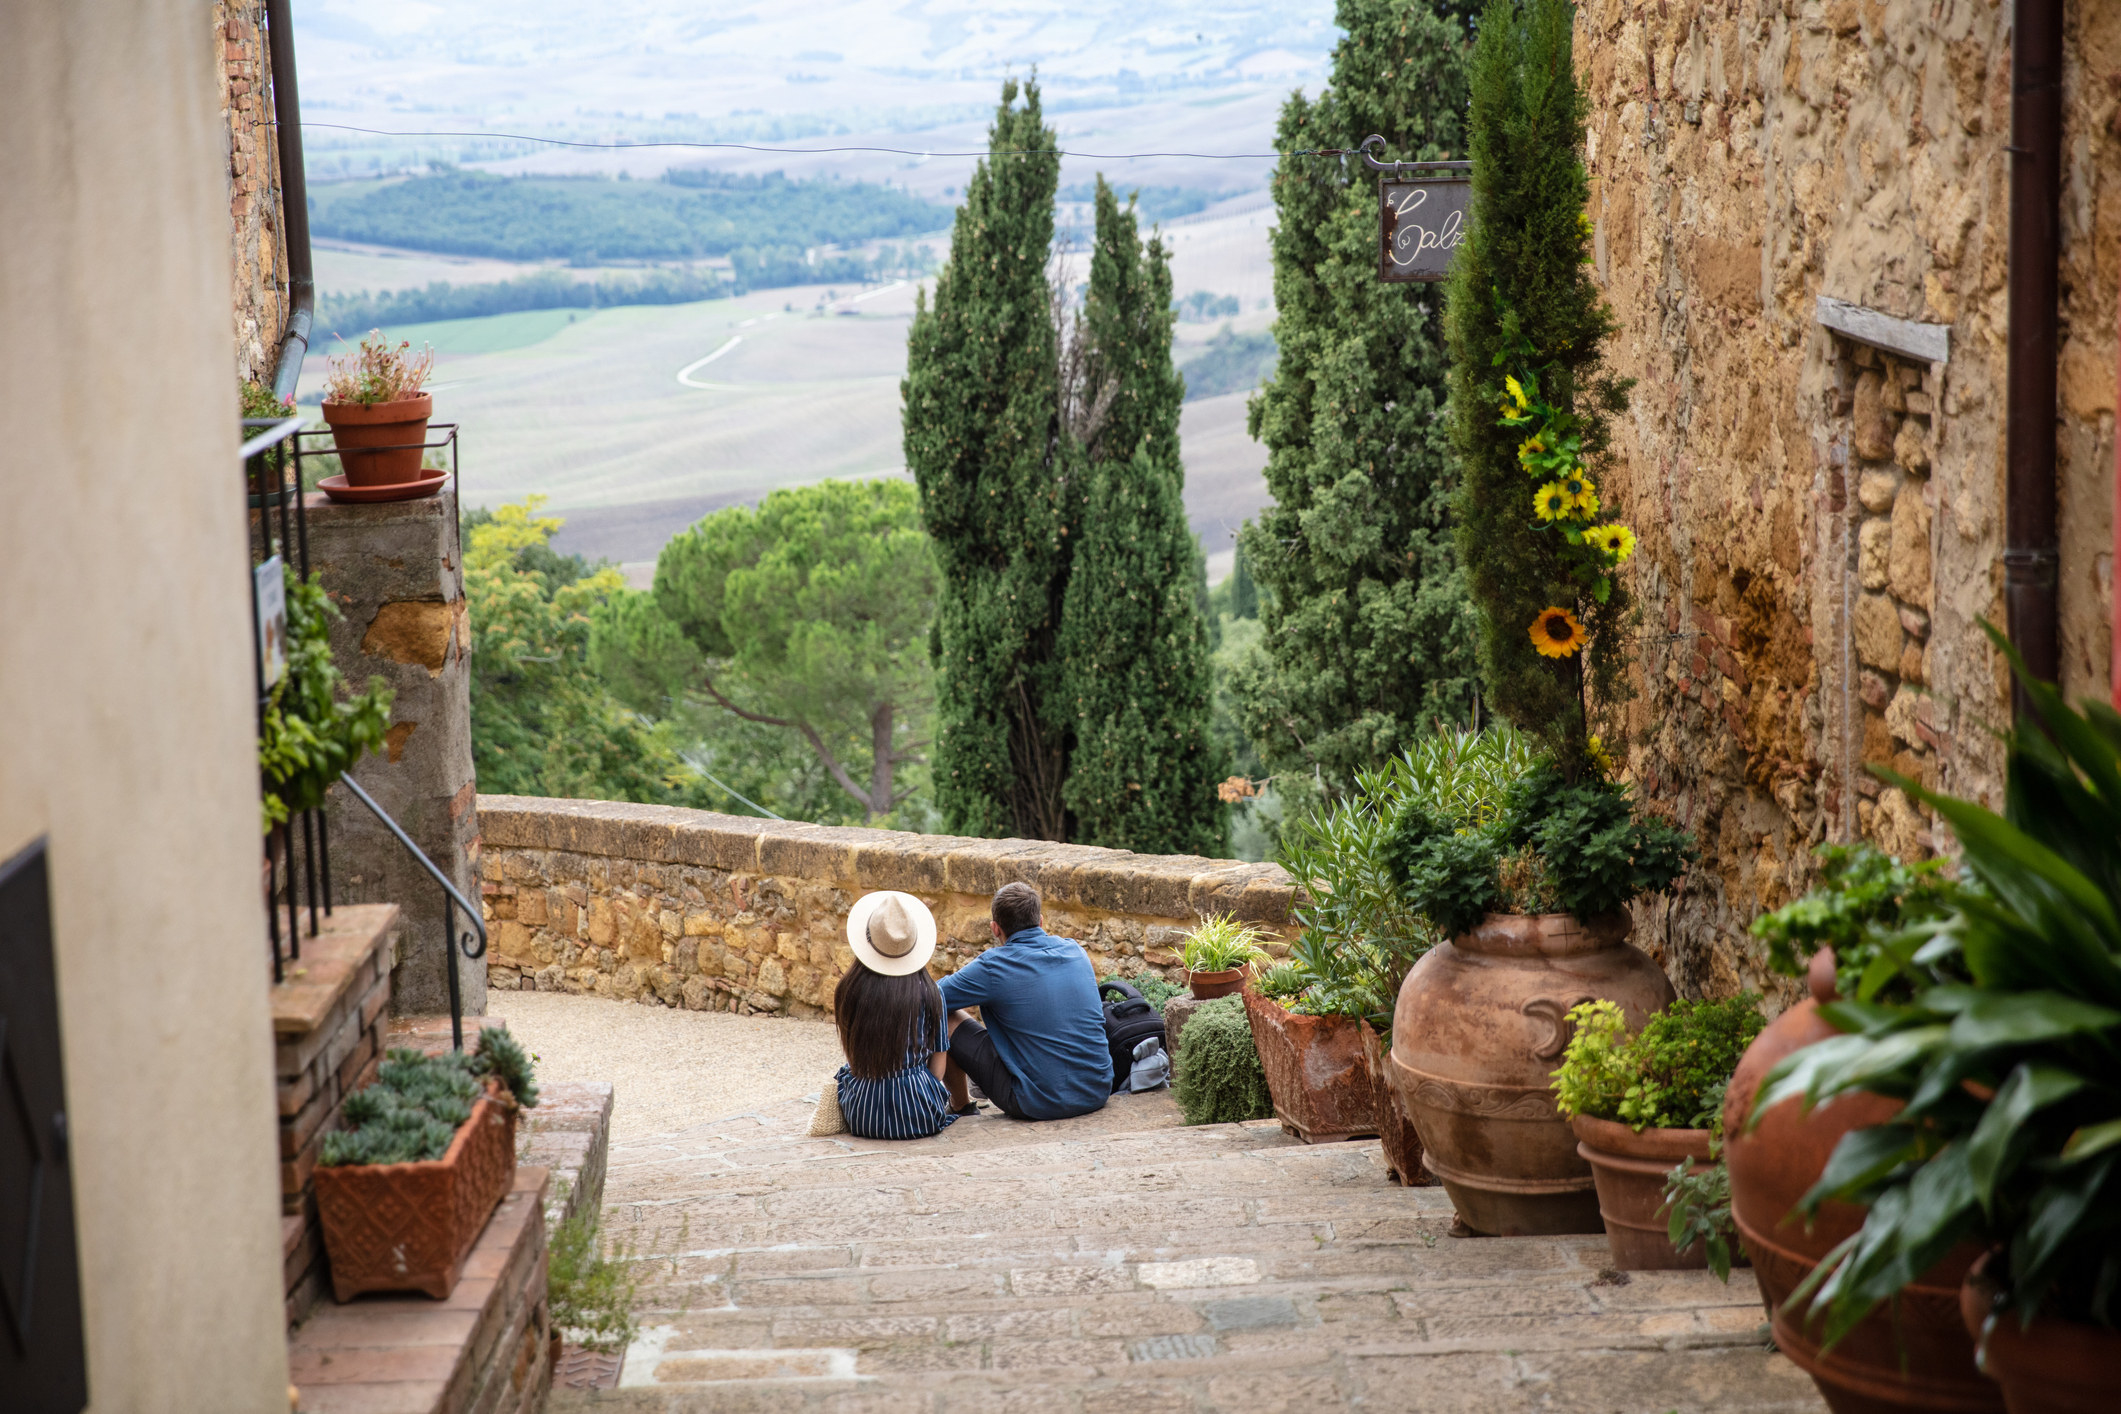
722,912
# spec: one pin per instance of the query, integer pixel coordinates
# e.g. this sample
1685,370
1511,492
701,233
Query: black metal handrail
270,449
452,941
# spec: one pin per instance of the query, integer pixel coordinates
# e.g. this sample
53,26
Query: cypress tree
1529,398
982,438
1134,644
1367,626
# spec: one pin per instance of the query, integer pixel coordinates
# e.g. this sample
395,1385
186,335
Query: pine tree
1367,623
982,438
1529,399
1134,644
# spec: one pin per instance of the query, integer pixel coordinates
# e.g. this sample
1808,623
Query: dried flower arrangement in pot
1641,1104
405,1191
1217,953
378,413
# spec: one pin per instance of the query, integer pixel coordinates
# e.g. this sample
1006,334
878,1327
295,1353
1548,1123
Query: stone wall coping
1930,343
1081,876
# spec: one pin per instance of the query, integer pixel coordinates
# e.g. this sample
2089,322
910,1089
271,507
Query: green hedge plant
2011,1131
311,735
1220,1080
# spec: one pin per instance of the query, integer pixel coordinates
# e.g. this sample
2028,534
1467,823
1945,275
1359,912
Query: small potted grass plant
377,410
1641,1104
2005,1053
1217,954
427,1152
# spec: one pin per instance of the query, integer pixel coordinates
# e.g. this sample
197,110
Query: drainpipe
294,201
2031,550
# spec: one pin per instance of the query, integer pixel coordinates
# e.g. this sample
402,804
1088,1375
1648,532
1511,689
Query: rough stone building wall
689,908
1821,523
257,244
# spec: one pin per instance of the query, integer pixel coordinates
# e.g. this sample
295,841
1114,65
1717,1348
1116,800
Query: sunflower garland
1566,500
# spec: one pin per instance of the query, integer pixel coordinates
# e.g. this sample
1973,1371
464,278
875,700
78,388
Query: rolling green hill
690,213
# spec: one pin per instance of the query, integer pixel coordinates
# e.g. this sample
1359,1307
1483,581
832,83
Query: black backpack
1129,1020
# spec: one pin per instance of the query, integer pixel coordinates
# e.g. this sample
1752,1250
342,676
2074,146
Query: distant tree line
1232,363
686,215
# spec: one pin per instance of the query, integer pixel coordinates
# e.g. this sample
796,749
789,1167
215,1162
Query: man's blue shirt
1038,998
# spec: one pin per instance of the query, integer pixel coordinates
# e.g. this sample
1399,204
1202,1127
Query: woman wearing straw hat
890,1017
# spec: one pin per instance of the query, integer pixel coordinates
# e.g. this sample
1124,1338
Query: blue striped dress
910,1103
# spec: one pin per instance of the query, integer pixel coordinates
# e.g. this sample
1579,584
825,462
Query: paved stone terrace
1124,1263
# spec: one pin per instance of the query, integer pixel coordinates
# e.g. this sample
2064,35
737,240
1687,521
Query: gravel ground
670,1069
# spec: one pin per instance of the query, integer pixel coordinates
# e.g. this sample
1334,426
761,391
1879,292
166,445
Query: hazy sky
925,74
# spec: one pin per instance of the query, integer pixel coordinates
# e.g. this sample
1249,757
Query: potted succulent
2006,1059
405,1189
1917,1356
378,414
1641,1104
1533,903
1217,954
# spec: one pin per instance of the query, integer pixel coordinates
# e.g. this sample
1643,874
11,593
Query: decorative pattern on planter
408,1227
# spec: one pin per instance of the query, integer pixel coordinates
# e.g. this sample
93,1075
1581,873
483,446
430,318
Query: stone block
1876,490
1911,550
1874,545
771,979
1876,624
1909,447
1871,428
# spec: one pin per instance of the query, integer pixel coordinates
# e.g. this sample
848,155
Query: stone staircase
1122,1262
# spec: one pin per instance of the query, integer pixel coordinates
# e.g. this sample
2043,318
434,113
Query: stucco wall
691,908
125,687
1821,525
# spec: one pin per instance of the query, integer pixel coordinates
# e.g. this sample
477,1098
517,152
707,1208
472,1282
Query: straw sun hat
891,932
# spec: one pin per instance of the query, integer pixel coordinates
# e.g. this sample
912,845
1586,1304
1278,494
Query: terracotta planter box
1630,1169
1395,1133
358,427
2055,1367
1315,1071
408,1227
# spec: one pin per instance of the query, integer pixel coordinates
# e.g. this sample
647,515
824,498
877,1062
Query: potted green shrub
427,1152
2009,1131
1917,1356
1533,904
310,735
378,415
1217,954
1640,1104
1219,1080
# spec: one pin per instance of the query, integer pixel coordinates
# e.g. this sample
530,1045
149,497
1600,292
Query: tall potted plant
1917,1356
2009,1131
1646,1105
377,411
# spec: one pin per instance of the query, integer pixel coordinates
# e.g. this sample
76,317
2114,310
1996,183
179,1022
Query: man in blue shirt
1042,1053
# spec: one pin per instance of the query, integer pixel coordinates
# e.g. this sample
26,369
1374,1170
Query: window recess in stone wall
1887,378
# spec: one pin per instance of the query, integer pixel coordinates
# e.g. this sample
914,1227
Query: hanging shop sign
1422,209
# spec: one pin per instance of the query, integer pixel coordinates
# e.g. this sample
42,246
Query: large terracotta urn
1920,1359
1480,1027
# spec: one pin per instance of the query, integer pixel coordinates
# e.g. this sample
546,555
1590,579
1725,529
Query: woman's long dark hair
883,1019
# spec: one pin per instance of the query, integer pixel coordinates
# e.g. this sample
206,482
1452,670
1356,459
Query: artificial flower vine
1566,499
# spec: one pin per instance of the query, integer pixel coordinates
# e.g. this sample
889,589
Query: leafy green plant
591,1292
1285,980
2011,1131
418,1101
1154,989
1576,847
1670,1075
1864,897
257,400
1698,1209
310,736
1220,943
1220,1080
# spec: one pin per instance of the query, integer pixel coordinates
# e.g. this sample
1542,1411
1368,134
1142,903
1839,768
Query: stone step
1124,1262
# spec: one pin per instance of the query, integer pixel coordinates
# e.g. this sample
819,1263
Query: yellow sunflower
1551,502
1582,494
1514,405
1530,445
1616,540
1556,634
1600,757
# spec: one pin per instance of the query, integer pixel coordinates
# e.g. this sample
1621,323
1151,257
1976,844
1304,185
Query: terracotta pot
2053,1367
1210,985
408,1227
1402,1146
1928,1362
1315,1071
1478,1033
1630,1170
401,425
